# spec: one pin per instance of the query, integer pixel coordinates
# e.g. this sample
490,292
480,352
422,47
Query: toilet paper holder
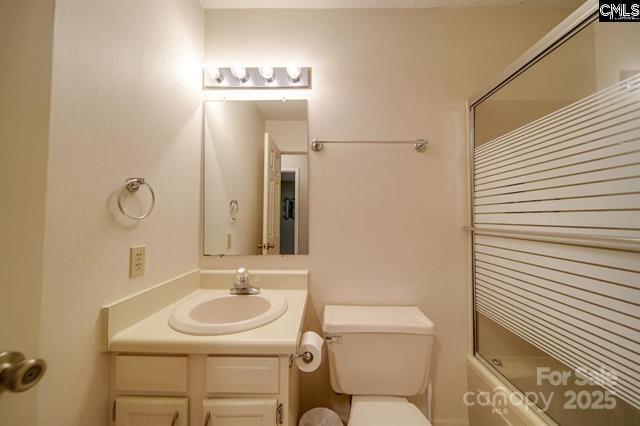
307,357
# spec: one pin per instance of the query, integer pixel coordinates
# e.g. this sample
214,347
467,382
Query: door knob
18,374
267,246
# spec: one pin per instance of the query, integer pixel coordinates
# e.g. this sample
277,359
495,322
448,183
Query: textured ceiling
382,4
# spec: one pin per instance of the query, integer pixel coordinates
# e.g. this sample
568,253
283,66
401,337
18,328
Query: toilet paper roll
311,342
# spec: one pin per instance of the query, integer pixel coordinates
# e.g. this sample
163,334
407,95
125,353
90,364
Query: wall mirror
256,194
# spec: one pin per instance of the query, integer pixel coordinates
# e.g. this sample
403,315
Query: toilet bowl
379,355
385,411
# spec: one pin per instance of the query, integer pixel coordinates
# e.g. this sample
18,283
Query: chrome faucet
241,284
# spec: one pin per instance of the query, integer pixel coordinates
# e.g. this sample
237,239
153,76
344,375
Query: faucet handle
242,275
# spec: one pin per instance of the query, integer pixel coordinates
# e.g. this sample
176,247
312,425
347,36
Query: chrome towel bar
419,145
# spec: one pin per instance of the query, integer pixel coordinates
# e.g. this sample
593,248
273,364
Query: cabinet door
134,373
243,375
240,412
140,411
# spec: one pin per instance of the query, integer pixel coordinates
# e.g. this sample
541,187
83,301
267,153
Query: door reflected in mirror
256,173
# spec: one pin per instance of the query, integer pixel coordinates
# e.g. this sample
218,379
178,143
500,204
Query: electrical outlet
137,260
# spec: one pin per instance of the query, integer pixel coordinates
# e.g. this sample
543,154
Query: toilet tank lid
376,319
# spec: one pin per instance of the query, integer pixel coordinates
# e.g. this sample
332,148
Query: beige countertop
154,335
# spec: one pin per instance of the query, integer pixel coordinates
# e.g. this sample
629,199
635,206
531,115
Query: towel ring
133,185
233,210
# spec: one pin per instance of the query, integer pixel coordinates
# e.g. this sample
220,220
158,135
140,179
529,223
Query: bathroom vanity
195,389
160,376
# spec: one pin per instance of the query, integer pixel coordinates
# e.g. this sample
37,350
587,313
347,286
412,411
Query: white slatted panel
576,171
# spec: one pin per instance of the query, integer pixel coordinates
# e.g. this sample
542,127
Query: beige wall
126,101
26,33
613,52
385,222
233,170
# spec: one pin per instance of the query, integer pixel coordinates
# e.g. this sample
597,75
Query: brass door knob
18,374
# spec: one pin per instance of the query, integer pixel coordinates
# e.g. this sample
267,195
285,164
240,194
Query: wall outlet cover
137,261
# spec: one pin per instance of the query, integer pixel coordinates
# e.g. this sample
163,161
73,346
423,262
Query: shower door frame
580,18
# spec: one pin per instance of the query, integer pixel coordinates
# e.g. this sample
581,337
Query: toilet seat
385,411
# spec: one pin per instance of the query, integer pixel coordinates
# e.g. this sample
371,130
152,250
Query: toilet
379,355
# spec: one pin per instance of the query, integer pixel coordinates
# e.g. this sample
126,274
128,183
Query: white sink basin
226,313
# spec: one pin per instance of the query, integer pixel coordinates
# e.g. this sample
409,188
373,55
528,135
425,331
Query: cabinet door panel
242,375
134,411
240,412
140,374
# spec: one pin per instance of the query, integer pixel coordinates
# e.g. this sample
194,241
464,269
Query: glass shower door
556,219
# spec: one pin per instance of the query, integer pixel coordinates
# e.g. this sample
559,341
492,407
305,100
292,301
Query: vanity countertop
154,335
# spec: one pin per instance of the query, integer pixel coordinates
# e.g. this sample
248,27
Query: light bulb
240,73
213,73
267,73
294,73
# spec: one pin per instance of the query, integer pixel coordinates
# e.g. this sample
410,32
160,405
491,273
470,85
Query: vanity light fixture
294,73
267,73
265,77
213,73
240,73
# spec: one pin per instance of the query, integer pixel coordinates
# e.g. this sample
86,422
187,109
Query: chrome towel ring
133,185
233,210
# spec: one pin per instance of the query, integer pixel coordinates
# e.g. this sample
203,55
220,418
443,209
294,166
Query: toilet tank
378,350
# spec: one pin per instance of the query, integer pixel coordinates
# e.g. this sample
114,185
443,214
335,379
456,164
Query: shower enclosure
555,169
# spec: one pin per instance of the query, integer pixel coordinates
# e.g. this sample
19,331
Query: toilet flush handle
333,339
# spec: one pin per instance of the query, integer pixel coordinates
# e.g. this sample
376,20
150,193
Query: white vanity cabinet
242,411
204,390
145,411
242,375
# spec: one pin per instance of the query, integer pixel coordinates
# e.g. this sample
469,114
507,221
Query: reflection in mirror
256,195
